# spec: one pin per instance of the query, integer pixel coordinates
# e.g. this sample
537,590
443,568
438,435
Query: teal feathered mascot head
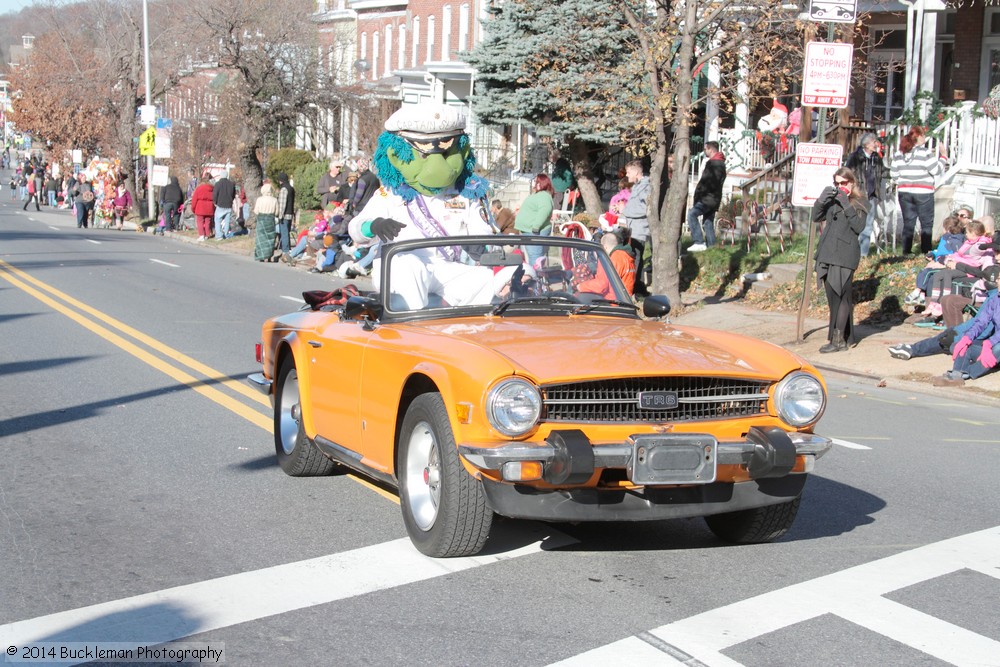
425,150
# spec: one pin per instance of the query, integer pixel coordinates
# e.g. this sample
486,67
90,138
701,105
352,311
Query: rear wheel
444,507
763,524
297,456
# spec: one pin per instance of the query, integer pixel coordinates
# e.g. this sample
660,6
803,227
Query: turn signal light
258,351
522,471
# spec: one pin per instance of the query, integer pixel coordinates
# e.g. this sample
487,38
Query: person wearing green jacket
535,214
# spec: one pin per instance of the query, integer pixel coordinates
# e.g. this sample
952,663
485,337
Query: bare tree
277,74
673,41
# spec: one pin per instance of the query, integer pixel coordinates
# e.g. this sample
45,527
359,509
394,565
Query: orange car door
336,356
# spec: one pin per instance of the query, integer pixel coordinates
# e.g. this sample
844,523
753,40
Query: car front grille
617,400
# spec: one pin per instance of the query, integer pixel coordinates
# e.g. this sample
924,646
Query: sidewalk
868,361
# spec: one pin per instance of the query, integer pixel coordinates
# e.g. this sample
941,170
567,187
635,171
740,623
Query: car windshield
516,276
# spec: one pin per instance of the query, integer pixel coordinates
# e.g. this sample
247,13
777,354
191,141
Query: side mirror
657,305
362,308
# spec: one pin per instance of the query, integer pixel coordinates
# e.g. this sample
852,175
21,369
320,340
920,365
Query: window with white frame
463,27
401,51
375,46
430,38
990,66
388,50
446,32
415,47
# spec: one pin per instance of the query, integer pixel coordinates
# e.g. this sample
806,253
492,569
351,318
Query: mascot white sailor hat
427,121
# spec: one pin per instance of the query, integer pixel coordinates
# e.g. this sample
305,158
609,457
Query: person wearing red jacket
624,264
203,207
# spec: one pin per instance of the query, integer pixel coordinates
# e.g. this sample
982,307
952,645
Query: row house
392,52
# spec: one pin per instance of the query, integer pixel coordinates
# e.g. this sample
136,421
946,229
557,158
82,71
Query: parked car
479,385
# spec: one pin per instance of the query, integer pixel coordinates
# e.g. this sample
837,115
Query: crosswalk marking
854,594
848,444
179,612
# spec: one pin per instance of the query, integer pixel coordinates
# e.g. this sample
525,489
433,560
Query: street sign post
836,11
164,128
826,80
814,167
147,114
147,142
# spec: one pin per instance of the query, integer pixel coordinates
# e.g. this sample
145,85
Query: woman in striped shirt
913,169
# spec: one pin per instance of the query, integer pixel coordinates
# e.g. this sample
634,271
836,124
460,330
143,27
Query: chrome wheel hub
423,476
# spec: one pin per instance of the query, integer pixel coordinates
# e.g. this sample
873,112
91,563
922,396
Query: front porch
759,185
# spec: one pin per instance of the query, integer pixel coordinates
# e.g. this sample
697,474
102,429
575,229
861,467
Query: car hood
553,349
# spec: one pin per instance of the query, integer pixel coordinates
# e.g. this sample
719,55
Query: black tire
297,455
444,507
756,526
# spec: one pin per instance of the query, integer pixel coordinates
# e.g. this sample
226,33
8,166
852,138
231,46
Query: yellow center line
199,386
971,421
8,272
145,339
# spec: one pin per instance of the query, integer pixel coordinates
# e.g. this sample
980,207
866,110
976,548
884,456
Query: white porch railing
969,142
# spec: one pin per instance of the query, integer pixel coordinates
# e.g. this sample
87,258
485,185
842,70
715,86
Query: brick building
392,52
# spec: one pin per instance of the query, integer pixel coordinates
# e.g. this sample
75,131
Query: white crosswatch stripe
853,594
175,613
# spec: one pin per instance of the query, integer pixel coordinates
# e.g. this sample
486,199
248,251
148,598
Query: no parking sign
814,167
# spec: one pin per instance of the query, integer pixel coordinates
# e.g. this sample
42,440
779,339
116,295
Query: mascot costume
425,163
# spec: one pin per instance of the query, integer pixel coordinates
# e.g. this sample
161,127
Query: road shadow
72,413
828,509
6,370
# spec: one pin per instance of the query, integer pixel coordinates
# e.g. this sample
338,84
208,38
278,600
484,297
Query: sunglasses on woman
838,181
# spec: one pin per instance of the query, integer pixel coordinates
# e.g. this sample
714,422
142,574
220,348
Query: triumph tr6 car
482,379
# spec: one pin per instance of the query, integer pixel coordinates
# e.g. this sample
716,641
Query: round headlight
800,399
513,407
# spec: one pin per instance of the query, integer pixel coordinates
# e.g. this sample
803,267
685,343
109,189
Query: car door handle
315,343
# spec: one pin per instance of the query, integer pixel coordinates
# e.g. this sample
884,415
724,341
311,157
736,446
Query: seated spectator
503,217
360,262
306,235
939,343
950,242
624,261
330,257
973,353
976,253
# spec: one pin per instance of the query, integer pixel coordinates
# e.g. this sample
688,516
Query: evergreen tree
549,63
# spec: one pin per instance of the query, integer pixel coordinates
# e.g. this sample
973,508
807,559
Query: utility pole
150,205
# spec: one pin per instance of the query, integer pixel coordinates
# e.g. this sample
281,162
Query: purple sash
431,228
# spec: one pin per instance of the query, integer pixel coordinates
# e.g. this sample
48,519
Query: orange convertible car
480,379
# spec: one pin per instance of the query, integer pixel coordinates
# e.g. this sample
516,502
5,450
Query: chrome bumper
756,452
260,383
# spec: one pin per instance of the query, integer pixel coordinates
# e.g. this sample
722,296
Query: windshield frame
495,243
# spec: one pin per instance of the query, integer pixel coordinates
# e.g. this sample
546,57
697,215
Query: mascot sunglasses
432,145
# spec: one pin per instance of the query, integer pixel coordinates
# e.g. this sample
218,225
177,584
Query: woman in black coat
843,210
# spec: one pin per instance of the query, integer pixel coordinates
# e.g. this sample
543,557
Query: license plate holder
673,458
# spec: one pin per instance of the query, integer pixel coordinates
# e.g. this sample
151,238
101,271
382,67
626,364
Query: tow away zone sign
814,167
826,81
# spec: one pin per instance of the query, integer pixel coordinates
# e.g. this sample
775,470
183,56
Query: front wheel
756,526
297,456
444,507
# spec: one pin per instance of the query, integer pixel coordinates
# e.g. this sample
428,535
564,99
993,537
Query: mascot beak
437,172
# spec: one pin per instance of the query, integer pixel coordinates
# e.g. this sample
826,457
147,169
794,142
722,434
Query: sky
7,6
